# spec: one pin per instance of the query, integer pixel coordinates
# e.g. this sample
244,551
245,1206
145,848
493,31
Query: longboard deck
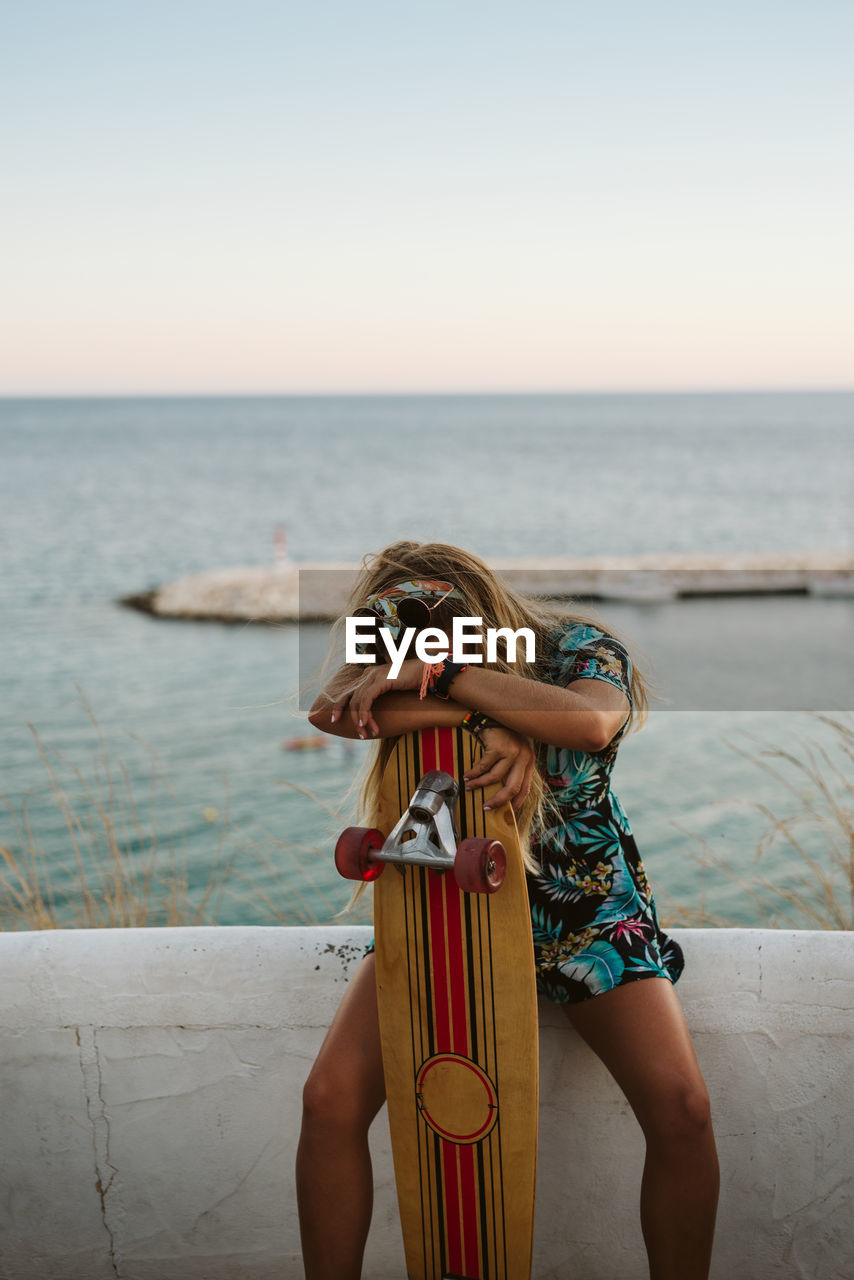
458,1020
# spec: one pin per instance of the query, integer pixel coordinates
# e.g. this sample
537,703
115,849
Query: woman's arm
507,757
583,715
392,713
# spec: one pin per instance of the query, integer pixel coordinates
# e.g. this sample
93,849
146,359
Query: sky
328,197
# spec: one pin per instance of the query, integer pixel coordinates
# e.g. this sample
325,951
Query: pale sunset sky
252,196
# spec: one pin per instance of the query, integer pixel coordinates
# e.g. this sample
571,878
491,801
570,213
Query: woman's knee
680,1115
338,1101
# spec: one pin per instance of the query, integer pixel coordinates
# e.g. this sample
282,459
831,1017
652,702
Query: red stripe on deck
459,1023
452,1209
451,1031
456,966
441,998
460,1180
428,751
468,1189
446,750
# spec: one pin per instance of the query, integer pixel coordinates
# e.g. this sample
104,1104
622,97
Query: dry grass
124,870
811,890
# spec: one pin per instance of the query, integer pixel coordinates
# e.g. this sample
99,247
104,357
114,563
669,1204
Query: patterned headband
406,604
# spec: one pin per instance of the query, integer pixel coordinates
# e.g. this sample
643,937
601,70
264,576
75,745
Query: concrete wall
151,1092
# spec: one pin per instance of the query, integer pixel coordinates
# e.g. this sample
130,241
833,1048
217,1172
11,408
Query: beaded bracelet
475,722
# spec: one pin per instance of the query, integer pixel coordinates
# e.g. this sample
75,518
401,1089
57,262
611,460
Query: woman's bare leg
343,1093
640,1034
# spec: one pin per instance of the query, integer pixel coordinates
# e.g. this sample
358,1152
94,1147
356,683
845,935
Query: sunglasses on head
411,610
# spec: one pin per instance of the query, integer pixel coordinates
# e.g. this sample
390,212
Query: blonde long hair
483,594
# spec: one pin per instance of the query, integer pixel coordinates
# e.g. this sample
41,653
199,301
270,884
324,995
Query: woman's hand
506,757
378,681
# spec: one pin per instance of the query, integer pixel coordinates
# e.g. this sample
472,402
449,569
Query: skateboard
457,1007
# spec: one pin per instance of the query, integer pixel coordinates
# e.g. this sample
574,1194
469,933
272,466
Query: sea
153,751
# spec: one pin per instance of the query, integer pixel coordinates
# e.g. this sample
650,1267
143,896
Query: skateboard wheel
480,865
353,853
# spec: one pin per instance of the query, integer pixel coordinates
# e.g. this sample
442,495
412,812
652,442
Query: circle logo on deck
456,1098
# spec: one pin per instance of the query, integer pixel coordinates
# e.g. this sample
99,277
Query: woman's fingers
363,722
507,768
357,716
522,793
511,763
340,705
491,767
512,786
363,700
486,765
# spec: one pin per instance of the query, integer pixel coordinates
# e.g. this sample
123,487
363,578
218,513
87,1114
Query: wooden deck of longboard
458,1019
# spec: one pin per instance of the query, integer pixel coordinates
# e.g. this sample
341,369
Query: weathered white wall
151,1091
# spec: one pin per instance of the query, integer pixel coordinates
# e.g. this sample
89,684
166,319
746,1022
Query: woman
552,727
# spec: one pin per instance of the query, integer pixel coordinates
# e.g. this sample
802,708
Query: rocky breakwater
253,593
290,592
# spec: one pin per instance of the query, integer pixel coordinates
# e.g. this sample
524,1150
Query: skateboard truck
427,834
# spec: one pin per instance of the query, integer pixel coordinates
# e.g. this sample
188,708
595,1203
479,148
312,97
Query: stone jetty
283,593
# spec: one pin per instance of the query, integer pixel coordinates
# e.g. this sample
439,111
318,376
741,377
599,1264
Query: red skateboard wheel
353,853
480,865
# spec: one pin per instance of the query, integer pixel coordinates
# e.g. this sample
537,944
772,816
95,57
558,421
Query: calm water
103,497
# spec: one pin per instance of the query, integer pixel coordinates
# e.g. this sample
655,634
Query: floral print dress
594,919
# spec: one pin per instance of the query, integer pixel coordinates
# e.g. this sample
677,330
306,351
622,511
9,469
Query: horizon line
822,389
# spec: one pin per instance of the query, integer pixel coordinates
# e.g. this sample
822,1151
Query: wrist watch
441,685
